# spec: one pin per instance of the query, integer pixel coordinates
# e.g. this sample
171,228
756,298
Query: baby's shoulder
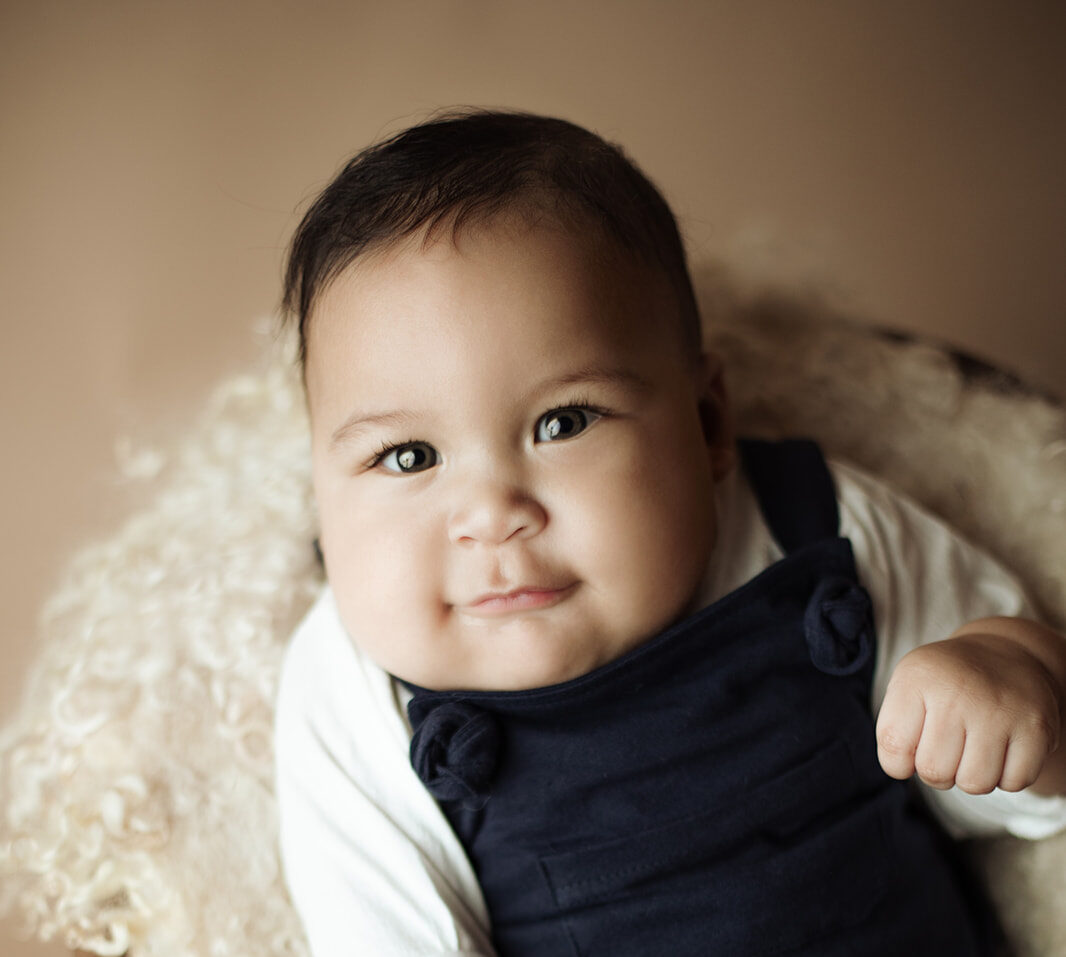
877,515
913,556
328,688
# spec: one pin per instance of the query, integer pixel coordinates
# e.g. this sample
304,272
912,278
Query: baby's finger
899,728
939,752
1022,765
982,764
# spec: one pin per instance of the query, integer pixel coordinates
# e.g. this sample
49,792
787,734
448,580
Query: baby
590,676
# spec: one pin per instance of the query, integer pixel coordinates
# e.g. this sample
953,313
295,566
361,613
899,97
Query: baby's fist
977,710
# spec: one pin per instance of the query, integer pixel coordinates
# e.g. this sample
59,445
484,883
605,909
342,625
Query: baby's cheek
650,572
372,621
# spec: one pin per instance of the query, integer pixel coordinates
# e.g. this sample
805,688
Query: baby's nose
492,513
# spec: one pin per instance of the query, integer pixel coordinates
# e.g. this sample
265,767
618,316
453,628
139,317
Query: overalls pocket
792,861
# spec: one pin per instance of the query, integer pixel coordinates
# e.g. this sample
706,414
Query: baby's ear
715,417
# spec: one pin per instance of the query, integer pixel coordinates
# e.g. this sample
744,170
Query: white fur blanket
135,781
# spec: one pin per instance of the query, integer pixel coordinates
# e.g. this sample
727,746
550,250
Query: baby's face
513,483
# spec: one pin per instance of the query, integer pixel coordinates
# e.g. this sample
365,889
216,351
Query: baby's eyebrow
359,422
599,375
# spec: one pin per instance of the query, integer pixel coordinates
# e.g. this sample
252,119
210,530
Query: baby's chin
512,677
523,669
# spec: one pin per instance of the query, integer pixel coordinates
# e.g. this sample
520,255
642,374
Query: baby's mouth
525,598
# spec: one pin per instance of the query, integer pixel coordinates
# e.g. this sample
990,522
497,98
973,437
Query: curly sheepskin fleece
136,788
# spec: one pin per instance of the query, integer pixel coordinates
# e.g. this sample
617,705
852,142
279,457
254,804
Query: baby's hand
977,710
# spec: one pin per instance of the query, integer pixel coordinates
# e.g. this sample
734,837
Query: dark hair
472,164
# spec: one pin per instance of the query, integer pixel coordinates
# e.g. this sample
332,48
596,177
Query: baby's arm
982,709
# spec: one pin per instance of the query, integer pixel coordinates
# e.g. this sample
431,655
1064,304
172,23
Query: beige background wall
903,159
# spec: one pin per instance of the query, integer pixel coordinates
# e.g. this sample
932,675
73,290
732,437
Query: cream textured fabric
136,778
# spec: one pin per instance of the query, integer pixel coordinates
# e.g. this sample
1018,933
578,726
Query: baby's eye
563,424
410,457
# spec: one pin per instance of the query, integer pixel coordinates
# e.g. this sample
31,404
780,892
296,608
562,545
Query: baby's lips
524,598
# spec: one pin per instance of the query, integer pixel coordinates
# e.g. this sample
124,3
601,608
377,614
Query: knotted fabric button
455,750
838,626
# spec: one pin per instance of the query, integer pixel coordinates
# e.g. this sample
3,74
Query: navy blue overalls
714,791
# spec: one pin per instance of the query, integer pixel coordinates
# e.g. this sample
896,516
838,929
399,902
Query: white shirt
370,859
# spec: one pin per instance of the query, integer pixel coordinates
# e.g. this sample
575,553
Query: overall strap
794,489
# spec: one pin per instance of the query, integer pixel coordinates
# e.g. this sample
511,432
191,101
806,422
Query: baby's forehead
515,234
534,287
